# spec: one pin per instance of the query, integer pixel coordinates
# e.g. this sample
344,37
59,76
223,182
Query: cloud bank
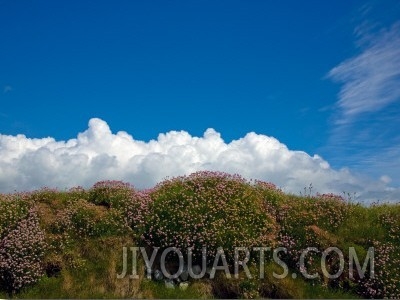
98,154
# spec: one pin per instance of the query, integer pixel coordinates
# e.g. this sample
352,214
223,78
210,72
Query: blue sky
320,77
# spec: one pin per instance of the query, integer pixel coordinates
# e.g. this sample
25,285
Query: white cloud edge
98,154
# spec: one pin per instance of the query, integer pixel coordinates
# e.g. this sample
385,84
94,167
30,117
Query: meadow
68,244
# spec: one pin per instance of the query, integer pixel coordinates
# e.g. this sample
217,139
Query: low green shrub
82,219
110,193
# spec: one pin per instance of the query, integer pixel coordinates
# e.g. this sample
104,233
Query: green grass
158,290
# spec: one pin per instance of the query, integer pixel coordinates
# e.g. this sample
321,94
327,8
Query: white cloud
371,80
365,133
98,154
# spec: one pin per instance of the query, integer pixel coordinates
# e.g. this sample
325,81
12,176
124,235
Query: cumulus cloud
98,154
371,80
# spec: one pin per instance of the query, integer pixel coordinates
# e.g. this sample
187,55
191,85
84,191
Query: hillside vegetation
69,244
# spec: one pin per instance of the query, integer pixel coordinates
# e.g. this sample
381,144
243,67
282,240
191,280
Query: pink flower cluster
386,280
109,207
327,212
82,219
123,197
308,222
12,209
209,209
21,252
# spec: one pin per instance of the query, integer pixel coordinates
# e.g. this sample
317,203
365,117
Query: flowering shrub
304,222
83,219
297,215
111,208
12,209
272,196
386,280
110,193
326,212
208,209
21,254
132,205
310,222
391,222
136,210
331,210
45,194
77,193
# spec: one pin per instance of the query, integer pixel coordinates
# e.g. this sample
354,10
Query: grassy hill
69,244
